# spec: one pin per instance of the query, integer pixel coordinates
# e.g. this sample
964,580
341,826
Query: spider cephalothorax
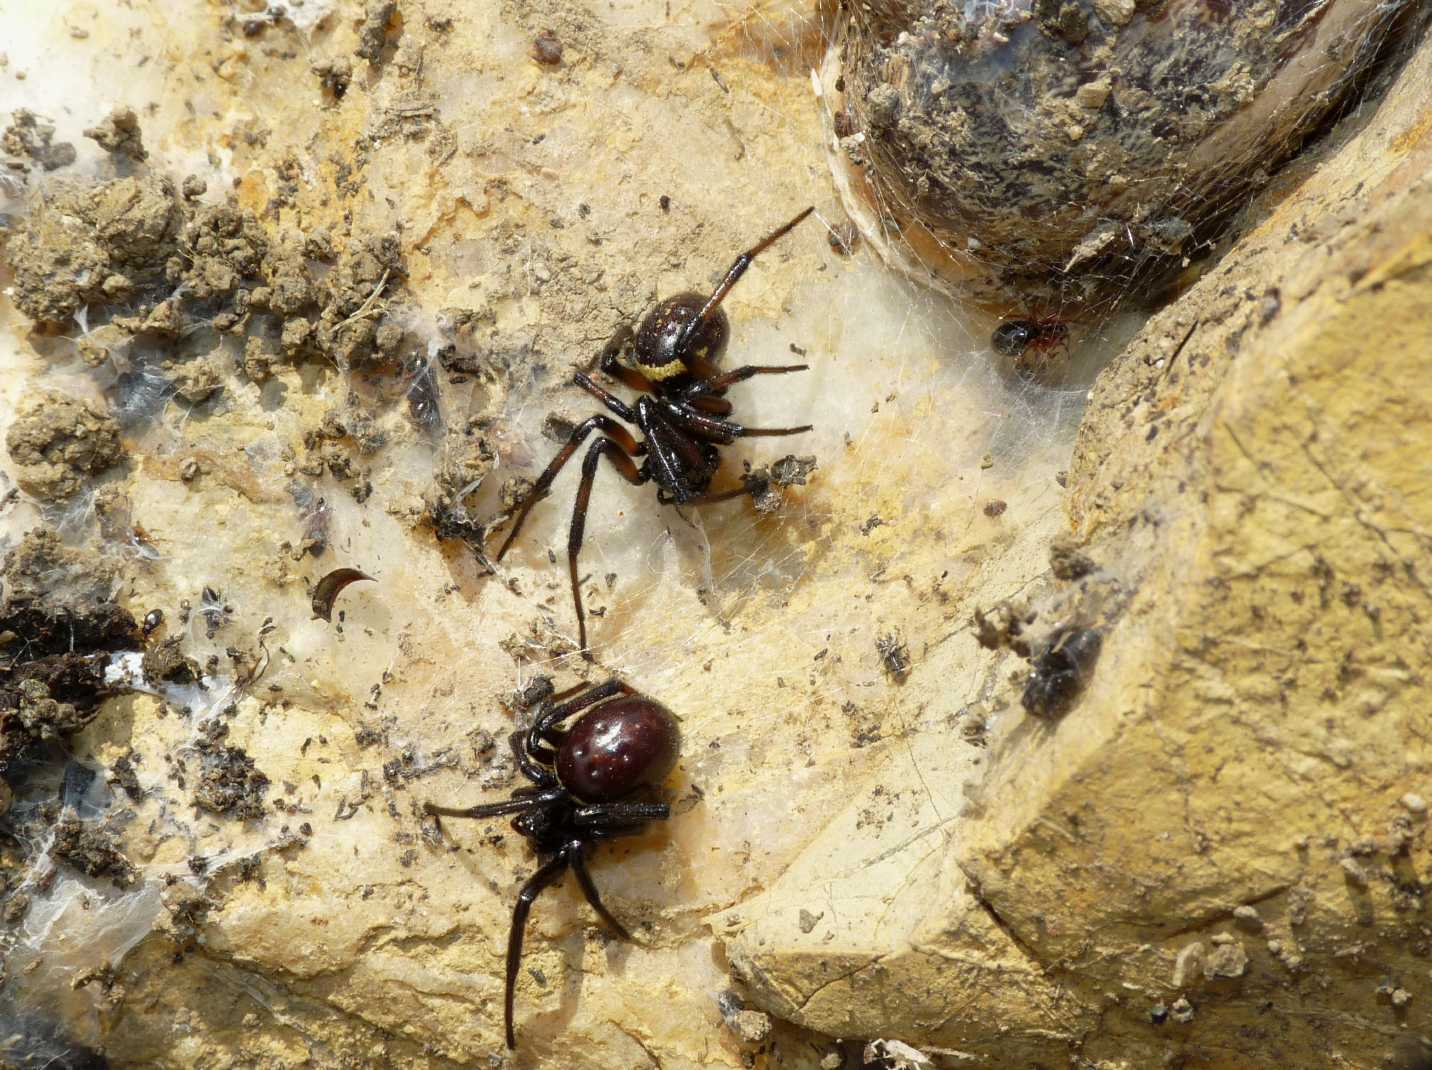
587,780
683,415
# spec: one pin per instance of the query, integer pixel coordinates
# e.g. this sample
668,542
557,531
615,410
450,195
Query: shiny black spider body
683,414
587,783
1029,343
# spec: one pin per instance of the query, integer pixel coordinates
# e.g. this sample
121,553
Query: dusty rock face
1237,766
871,839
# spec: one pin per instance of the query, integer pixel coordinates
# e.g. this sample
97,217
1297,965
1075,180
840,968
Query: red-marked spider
1030,342
584,781
683,415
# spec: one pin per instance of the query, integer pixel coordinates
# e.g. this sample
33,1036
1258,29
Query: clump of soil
55,623
137,258
58,442
764,484
197,380
228,781
167,662
91,849
467,458
374,32
119,135
349,330
93,245
57,601
29,140
37,716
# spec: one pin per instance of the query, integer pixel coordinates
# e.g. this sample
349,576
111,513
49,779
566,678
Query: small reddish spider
1029,342
591,781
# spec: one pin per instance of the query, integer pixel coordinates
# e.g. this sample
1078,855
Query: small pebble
547,49
1246,915
1414,804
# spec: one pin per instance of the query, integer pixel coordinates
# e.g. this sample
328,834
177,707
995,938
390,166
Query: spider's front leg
726,380
544,727
516,805
733,276
612,449
610,362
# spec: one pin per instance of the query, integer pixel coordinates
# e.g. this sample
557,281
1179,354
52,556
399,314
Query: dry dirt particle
374,34
91,849
58,442
119,135
228,781
29,137
168,662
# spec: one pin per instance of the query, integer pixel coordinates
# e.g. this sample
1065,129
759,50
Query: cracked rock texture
386,235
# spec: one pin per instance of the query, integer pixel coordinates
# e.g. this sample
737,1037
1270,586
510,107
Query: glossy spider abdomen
625,744
1012,338
655,351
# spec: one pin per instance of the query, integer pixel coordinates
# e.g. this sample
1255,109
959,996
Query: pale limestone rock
915,861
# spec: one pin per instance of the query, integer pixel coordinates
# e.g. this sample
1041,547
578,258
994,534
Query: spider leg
542,727
726,380
619,813
711,403
545,876
610,400
668,447
723,432
612,450
733,276
530,759
544,481
577,858
498,809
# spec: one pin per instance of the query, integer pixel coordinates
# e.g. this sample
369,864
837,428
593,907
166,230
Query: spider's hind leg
545,876
576,852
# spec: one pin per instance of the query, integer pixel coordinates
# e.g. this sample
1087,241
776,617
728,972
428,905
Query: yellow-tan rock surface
1228,816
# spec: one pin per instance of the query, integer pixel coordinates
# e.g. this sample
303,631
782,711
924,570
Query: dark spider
671,358
1062,671
583,779
1023,339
